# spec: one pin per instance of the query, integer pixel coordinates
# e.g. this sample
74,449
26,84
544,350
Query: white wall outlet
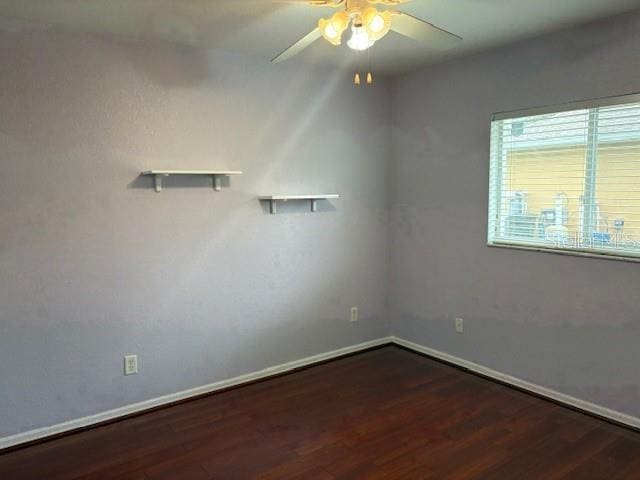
130,364
459,325
354,314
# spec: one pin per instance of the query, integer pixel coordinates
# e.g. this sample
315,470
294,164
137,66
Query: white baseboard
186,394
523,384
285,367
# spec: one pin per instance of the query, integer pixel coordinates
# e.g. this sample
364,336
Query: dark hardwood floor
386,413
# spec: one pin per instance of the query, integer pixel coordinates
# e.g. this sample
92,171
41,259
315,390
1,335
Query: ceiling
264,27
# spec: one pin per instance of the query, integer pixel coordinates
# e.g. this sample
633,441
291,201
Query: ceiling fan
368,25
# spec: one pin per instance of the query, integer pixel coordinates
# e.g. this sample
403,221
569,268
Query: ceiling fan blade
297,47
423,32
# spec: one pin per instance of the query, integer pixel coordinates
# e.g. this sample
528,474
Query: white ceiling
264,28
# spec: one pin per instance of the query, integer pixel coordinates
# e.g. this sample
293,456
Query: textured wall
203,286
572,324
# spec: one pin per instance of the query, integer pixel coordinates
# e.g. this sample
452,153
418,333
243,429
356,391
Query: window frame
495,196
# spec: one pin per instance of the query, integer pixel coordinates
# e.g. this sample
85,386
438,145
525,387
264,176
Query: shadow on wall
146,182
297,207
176,182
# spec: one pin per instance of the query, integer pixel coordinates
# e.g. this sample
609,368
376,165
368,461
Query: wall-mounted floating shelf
214,174
273,199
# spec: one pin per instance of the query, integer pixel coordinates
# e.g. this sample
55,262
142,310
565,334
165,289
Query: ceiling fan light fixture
360,39
368,25
377,23
333,28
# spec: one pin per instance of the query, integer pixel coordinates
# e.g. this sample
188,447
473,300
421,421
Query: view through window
568,180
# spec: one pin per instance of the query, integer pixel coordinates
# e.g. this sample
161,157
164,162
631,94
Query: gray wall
572,324
203,286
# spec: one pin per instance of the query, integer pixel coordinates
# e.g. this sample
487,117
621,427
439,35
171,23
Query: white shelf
214,174
273,199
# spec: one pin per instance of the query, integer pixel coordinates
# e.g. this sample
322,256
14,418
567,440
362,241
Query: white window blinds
568,179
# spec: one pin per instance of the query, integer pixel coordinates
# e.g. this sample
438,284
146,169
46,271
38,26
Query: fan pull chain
369,74
356,78
357,81
369,78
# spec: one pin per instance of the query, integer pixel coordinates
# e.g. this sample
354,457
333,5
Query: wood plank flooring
383,414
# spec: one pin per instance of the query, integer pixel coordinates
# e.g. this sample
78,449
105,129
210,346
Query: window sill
573,253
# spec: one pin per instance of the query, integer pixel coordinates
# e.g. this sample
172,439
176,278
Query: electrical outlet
130,364
354,314
459,325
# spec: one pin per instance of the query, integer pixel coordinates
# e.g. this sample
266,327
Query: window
567,179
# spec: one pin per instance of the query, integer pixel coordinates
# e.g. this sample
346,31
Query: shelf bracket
157,182
312,199
217,182
216,176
